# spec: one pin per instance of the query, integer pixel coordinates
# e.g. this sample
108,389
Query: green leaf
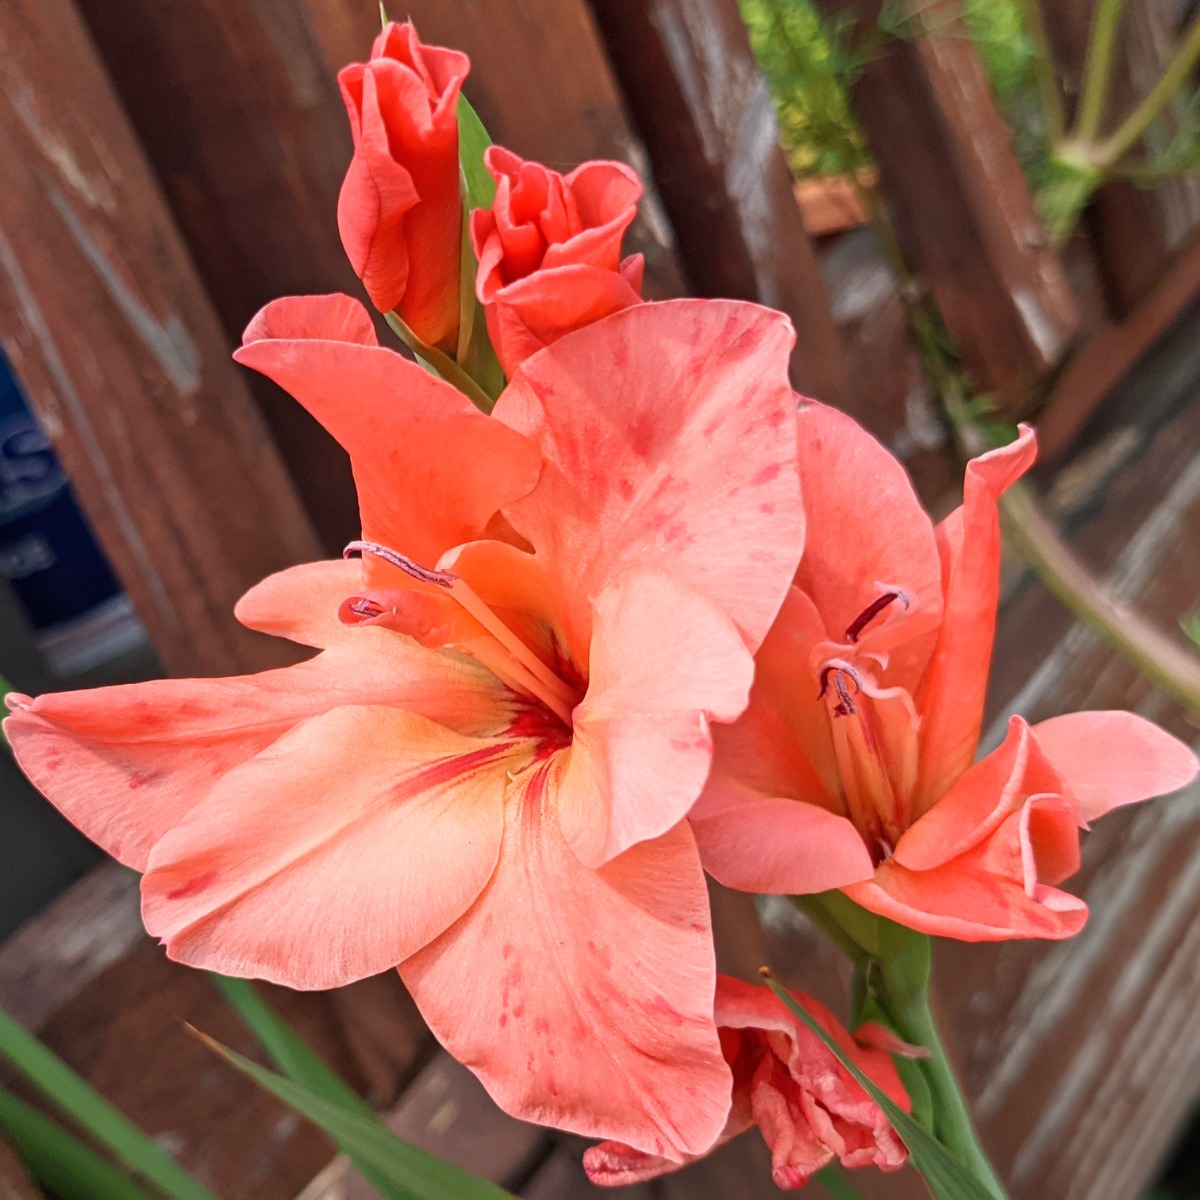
410,1173
475,353
288,1050
946,1176
83,1104
57,1160
295,1058
473,140
837,1185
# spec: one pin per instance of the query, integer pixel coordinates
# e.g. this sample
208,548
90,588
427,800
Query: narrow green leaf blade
57,1160
297,1060
288,1050
76,1098
411,1173
473,140
946,1176
837,1185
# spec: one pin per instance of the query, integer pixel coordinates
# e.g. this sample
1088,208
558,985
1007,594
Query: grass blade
287,1049
298,1061
409,1172
57,1160
76,1098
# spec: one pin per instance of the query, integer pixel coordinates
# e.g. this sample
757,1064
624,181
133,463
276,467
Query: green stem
1097,69
1043,65
442,364
911,1017
1131,129
1172,668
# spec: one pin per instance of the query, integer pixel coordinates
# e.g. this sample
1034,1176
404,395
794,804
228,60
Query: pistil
516,664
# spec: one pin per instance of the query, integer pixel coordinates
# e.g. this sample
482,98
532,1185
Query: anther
845,707
402,561
873,610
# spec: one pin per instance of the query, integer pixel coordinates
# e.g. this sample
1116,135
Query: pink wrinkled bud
806,1105
549,251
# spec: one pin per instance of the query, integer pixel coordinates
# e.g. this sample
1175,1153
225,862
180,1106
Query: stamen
526,668
845,707
873,610
402,561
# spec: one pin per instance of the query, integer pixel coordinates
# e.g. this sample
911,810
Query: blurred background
988,203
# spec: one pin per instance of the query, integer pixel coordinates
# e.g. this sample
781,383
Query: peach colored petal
583,999
952,694
664,662
301,603
1109,759
430,468
126,764
785,1080
966,901
975,807
353,841
762,843
668,433
867,530
534,312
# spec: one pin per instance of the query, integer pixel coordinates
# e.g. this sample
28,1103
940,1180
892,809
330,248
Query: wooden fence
169,168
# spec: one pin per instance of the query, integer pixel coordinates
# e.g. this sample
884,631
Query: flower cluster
652,616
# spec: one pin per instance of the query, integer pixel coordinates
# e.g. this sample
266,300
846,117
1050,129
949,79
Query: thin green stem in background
1111,150
1043,66
1097,70
77,1099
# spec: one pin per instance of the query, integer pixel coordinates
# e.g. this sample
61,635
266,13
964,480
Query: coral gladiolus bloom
855,756
549,251
786,1081
400,210
483,775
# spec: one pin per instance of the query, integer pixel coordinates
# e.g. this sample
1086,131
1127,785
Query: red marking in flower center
541,726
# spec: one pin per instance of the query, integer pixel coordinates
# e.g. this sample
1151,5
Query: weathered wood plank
1113,352
240,120
14,1181
963,214
540,82
705,114
447,1112
87,979
105,321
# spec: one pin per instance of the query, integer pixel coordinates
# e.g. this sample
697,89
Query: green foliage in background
810,59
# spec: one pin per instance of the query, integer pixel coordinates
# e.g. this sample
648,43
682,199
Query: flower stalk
893,967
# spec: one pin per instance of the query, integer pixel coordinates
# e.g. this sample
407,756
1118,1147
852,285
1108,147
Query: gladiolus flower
786,1081
400,209
483,775
549,251
852,767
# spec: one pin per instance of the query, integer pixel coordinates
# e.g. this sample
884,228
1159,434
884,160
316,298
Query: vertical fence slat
963,213
705,113
106,323
240,120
